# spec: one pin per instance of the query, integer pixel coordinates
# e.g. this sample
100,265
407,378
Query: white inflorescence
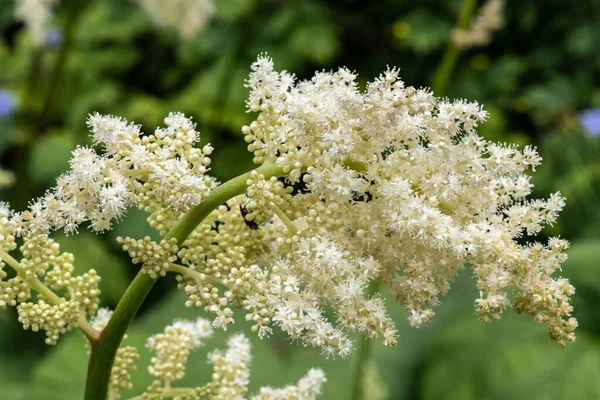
307,388
388,188
231,368
173,347
188,17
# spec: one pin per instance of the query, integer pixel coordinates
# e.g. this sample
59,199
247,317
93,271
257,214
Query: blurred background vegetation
539,78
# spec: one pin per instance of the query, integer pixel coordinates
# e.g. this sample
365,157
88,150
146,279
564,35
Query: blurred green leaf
91,253
50,157
428,31
512,359
317,43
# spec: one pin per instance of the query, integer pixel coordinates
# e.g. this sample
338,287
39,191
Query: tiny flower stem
354,165
103,351
185,271
35,284
444,71
285,219
136,172
168,393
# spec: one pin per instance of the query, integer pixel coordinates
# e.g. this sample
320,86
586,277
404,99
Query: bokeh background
539,78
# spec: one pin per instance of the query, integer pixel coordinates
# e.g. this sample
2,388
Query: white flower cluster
44,269
389,187
307,388
173,347
486,22
231,368
154,172
36,14
188,17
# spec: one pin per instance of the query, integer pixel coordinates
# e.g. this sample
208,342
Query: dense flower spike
389,187
173,347
308,388
231,368
43,269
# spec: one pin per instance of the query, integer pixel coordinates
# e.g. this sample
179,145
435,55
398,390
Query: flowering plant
355,192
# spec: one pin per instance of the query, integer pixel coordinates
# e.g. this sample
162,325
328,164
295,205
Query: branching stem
103,351
48,294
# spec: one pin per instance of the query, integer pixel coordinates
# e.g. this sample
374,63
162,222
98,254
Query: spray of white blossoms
486,22
231,368
389,188
188,17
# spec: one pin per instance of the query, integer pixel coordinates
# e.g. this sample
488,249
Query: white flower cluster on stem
231,368
387,188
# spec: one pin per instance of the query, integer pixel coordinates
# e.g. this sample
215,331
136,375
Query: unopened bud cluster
156,258
44,269
231,368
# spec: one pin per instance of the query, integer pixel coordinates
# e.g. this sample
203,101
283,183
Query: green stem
446,68
285,219
185,271
103,351
364,356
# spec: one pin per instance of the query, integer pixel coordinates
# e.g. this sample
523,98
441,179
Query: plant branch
35,284
103,351
285,219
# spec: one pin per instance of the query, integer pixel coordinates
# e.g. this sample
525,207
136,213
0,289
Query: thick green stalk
444,71
103,351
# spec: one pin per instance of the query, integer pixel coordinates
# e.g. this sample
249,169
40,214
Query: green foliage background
536,76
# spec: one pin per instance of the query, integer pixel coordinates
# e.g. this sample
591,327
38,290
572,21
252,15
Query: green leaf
50,157
512,359
316,42
427,31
